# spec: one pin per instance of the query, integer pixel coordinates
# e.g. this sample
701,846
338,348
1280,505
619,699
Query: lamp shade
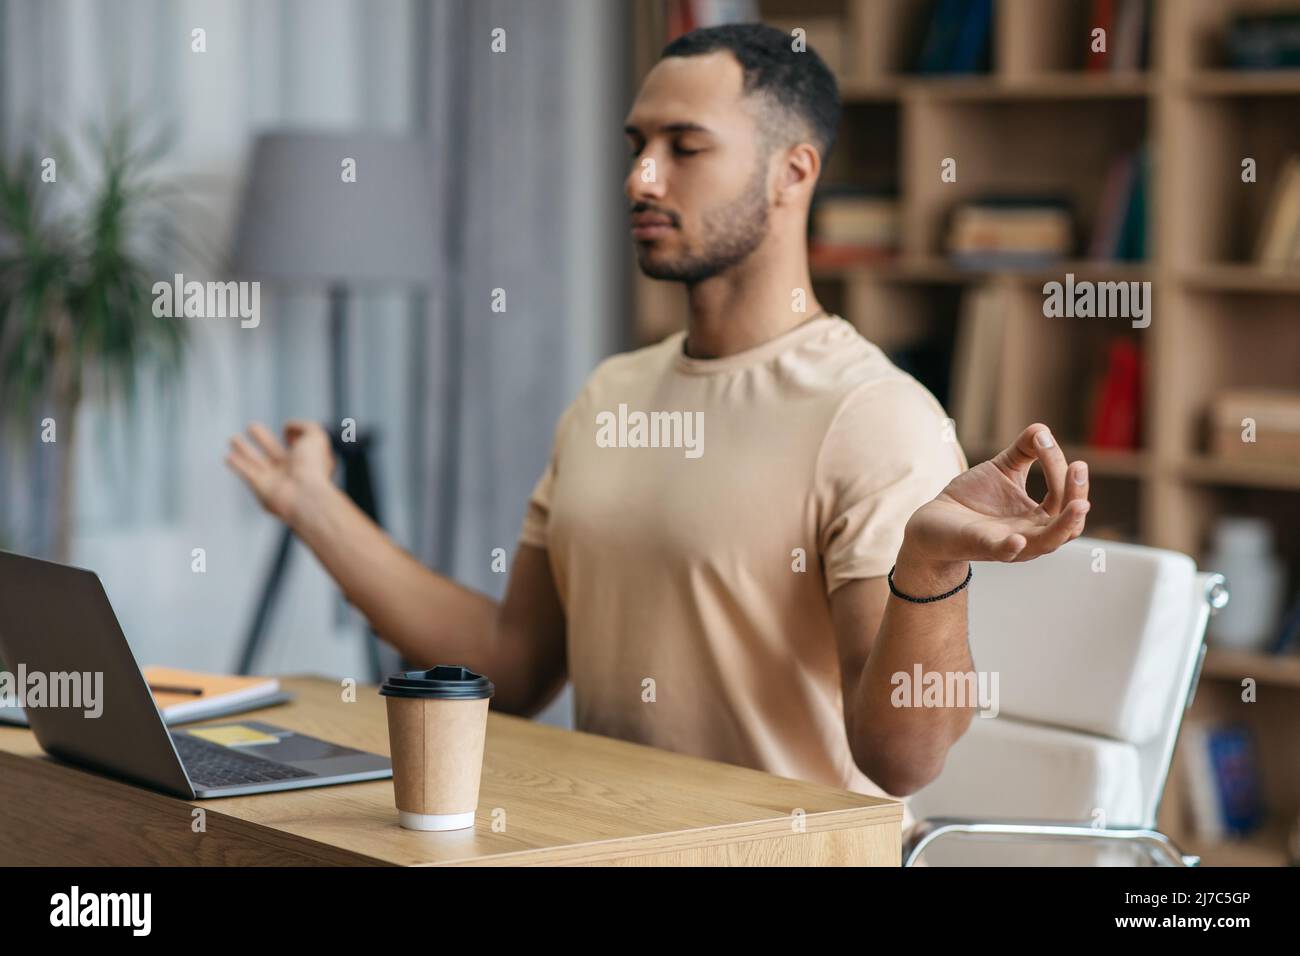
302,221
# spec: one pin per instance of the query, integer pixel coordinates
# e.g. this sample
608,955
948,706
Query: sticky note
234,735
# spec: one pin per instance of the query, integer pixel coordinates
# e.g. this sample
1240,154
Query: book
1288,634
218,695
970,51
1113,209
1117,411
977,350
1128,40
940,37
1011,231
830,255
1132,244
1278,244
957,40
1264,41
1276,416
1120,230
865,220
1102,16
1223,779
1273,409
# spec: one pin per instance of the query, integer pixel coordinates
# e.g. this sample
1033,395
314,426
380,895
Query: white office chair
1098,648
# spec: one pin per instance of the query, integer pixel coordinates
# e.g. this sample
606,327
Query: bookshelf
1036,119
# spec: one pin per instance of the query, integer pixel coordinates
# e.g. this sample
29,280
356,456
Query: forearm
519,642
427,617
906,745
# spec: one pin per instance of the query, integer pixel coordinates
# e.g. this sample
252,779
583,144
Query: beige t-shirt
680,564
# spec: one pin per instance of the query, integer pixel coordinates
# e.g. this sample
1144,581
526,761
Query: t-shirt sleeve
889,450
538,514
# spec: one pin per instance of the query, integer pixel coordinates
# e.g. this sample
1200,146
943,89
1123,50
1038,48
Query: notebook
185,696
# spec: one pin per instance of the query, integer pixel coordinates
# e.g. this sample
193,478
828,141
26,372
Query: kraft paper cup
437,725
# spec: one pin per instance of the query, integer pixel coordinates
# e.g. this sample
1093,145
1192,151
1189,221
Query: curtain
531,136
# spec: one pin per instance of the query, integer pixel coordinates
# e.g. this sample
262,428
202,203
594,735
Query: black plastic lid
444,682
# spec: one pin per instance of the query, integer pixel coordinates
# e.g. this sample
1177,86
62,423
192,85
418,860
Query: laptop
57,621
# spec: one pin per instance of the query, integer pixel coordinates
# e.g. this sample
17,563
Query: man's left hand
984,513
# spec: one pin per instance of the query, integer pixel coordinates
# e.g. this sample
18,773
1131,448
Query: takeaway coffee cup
437,722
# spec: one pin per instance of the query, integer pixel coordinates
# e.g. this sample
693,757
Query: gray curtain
530,149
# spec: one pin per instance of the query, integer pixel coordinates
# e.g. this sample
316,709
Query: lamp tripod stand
358,484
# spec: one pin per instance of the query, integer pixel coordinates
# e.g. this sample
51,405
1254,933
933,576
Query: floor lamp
338,211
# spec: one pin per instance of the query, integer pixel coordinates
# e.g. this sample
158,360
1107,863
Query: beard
730,234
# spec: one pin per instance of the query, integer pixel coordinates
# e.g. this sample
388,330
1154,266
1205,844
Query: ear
800,166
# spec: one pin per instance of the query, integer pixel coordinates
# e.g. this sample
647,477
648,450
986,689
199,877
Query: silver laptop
56,621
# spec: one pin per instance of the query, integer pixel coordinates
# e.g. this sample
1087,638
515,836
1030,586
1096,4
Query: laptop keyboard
212,765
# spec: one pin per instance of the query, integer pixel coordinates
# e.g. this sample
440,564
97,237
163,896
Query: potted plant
78,258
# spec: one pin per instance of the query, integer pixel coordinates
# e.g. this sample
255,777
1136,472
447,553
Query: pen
165,689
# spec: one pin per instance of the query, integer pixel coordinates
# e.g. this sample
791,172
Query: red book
1117,413
1102,15
682,18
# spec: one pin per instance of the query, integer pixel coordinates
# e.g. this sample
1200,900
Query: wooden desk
549,797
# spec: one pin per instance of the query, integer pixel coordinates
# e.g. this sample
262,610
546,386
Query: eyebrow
682,127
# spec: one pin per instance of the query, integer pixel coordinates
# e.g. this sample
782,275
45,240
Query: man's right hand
282,477
428,618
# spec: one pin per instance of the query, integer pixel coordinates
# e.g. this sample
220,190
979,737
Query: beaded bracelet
970,570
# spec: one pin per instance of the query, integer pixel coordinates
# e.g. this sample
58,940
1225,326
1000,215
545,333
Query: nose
645,181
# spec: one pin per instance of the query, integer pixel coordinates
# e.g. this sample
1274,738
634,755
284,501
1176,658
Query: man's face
698,183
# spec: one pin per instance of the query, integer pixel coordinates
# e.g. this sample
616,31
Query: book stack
1127,26
1276,417
852,228
1279,239
1010,232
1265,41
1120,232
957,40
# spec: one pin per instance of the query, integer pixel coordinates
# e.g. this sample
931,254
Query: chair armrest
924,832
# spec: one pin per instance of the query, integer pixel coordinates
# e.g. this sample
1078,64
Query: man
724,594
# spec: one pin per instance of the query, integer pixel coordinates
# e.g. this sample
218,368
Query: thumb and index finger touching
1066,482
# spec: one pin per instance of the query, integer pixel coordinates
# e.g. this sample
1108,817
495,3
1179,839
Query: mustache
671,216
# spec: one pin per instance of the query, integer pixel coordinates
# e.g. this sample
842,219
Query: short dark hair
798,83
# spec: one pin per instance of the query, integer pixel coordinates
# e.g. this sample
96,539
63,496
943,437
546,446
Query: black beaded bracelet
970,570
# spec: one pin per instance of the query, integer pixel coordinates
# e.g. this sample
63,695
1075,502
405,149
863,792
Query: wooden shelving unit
1267,669
1038,121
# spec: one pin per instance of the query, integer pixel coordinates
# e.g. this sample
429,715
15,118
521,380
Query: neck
749,304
